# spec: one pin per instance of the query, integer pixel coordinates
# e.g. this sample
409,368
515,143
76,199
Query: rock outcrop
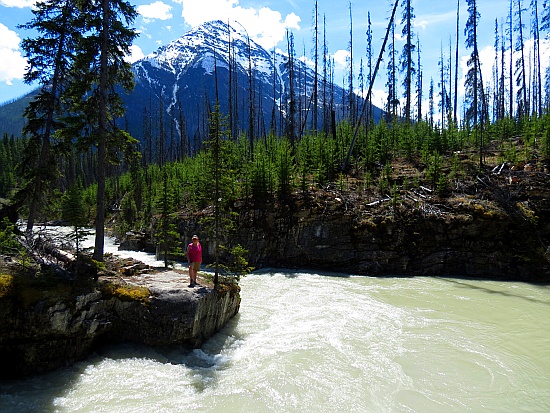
498,228
48,335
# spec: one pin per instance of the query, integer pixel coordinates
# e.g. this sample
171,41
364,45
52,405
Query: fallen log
49,248
378,202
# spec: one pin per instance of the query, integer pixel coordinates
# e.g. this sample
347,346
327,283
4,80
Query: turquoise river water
306,342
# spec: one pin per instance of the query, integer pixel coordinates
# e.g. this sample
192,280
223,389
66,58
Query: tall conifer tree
455,101
510,33
391,83
407,63
535,30
369,67
521,82
50,56
315,96
474,84
99,68
418,83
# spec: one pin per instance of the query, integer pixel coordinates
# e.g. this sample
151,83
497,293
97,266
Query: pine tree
537,92
50,56
352,107
369,67
326,63
166,232
231,73
291,128
250,102
220,178
391,83
472,77
418,85
474,84
431,105
99,67
496,76
444,98
273,125
521,83
510,33
315,96
455,102
407,63
502,80
361,79
74,214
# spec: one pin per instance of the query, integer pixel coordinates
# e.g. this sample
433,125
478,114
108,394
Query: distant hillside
11,115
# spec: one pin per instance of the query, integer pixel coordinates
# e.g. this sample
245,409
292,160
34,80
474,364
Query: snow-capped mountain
181,77
176,88
179,82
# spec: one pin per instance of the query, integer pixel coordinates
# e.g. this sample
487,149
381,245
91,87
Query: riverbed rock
51,334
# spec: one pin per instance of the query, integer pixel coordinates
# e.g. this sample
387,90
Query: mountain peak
218,59
206,40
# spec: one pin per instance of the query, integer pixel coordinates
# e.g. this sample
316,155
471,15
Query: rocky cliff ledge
495,226
156,309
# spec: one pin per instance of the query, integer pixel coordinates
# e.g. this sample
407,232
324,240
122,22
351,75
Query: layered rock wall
466,237
44,337
462,245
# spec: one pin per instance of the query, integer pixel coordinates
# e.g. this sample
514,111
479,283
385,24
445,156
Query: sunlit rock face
460,236
44,337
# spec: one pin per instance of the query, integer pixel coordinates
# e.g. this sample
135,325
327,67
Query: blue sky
161,21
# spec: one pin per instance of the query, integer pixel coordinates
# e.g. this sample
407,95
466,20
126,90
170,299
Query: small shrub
224,288
486,211
527,212
42,286
236,265
126,292
6,285
8,239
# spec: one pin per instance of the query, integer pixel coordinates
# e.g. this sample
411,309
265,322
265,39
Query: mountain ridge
177,84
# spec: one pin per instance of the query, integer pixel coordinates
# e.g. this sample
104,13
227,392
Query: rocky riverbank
495,226
41,332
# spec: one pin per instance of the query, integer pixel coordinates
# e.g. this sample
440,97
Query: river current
307,342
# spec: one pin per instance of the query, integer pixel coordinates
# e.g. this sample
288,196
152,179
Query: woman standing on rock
194,259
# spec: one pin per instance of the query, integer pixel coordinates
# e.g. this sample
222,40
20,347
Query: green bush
8,239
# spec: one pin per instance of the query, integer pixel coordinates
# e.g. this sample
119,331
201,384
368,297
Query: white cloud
157,10
265,26
422,24
307,61
487,58
341,57
135,54
12,64
379,98
8,38
17,3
